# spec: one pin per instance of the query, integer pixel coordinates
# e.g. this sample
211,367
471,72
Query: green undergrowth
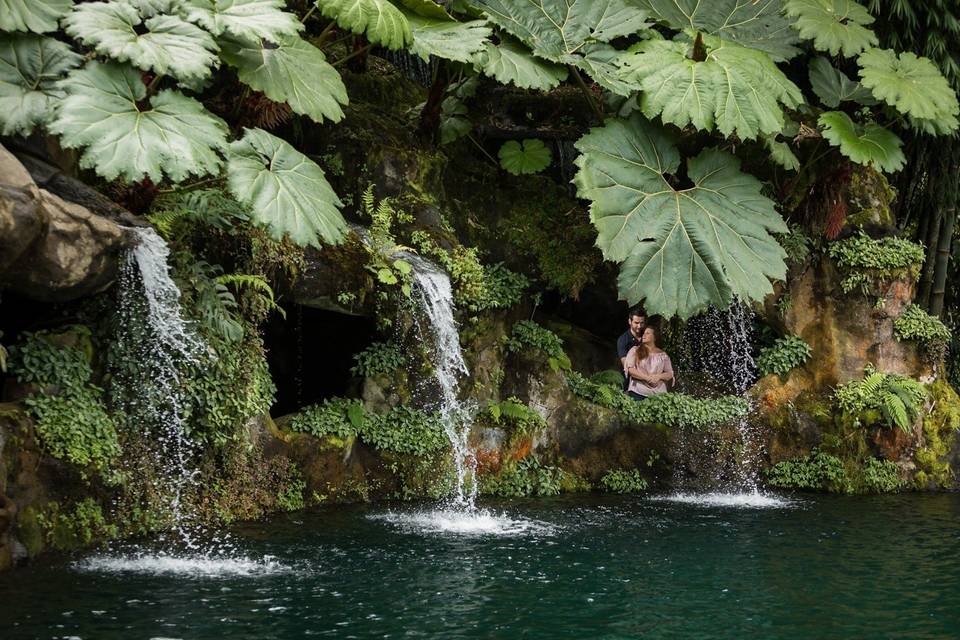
623,481
81,524
917,325
378,358
514,416
527,335
72,422
668,409
783,356
862,260
530,476
402,430
822,471
880,398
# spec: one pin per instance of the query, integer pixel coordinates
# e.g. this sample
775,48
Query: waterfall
718,342
438,329
156,343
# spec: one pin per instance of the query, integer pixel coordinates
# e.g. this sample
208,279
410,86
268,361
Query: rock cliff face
52,250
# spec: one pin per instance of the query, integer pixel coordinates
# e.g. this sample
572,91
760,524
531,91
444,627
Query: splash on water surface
476,522
743,500
184,566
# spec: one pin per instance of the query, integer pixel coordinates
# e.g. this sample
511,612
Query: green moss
290,497
421,476
869,199
29,530
940,427
79,525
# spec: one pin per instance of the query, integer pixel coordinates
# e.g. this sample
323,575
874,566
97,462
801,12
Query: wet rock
50,249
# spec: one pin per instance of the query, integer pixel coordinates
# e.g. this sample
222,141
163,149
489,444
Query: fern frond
164,221
258,284
894,411
367,200
872,383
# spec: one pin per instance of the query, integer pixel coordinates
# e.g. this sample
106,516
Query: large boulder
52,250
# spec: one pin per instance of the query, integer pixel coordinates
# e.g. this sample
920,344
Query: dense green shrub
290,497
527,335
784,355
623,481
863,260
881,476
669,409
895,399
817,472
378,358
796,243
66,529
514,414
72,422
526,477
405,430
339,417
916,324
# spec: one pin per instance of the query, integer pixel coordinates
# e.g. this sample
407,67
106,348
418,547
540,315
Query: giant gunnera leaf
30,66
285,190
757,24
122,134
834,26
164,44
864,144
244,18
38,16
833,86
448,39
684,242
571,32
293,71
912,85
735,89
511,62
528,156
380,21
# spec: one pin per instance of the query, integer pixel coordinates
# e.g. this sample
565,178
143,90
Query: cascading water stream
439,329
152,329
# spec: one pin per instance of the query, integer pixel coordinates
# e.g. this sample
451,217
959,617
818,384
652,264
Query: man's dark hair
636,311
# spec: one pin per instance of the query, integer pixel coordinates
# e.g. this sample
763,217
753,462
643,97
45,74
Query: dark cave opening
310,355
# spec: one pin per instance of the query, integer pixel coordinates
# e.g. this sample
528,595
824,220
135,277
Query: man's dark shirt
624,344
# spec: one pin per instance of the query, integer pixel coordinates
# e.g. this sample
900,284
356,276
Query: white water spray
435,296
153,331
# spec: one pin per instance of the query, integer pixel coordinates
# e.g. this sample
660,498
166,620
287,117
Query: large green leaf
38,16
835,26
511,62
293,71
559,29
913,85
284,189
781,153
833,86
103,113
164,44
757,24
866,144
381,22
427,9
448,39
30,66
682,249
244,18
532,156
735,89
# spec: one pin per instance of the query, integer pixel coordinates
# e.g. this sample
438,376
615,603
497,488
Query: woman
648,367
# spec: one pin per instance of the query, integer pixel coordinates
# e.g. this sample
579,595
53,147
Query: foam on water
474,522
746,500
185,566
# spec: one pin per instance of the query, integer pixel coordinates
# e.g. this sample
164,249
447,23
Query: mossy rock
869,200
938,458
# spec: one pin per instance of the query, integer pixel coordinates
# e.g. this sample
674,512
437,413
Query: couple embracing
646,367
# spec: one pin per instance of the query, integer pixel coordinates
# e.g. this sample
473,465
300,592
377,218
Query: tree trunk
951,194
429,128
926,277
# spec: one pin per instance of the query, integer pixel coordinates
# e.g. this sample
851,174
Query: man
636,321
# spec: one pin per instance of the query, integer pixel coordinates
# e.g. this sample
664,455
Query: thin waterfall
438,328
718,342
157,343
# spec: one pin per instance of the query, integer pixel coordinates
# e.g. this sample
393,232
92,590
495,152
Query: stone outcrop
52,250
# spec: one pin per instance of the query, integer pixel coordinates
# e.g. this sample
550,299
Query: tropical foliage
726,73
881,397
783,356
